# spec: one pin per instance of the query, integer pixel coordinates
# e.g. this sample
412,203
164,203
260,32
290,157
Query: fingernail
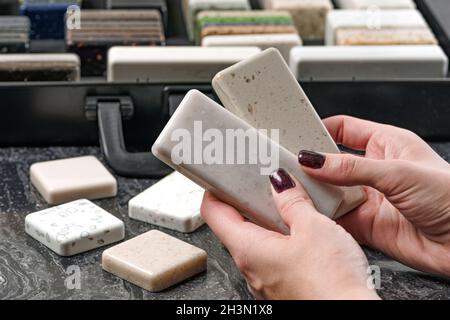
311,159
281,181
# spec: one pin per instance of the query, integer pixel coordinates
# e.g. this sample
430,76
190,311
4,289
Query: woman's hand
407,214
319,260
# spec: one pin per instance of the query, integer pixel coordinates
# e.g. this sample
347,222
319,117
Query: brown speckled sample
154,261
387,36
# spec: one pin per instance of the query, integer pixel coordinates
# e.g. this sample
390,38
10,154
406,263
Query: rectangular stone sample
14,34
243,184
172,64
74,227
283,42
154,261
309,15
192,7
263,92
368,62
39,67
160,5
374,4
174,203
64,180
211,23
103,29
385,27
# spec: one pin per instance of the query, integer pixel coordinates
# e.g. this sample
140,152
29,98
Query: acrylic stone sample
60,181
263,92
154,261
160,5
172,64
243,184
376,4
47,17
192,7
103,29
385,27
74,227
39,67
14,34
309,15
174,203
283,42
368,62
212,23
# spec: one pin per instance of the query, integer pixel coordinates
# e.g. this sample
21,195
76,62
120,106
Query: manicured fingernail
311,159
281,181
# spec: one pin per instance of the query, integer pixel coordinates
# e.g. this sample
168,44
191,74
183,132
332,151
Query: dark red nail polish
281,181
311,159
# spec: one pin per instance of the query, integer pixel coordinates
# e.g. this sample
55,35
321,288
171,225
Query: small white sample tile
154,261
283,42
172,64
263,92
382,27
74,227
192,7
64,180
368,62
376,4
174,203
242,184
309,15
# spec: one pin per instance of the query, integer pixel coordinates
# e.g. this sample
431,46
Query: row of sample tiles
200,64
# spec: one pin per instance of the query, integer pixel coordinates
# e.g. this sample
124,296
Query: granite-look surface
28,270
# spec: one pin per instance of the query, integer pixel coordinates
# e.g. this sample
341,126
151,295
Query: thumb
350,170
291,200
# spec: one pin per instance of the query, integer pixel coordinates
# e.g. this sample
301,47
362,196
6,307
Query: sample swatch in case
174,203
14,34
60,181
172,64
39,67
74,227
160,5
154,261
47,17
242,183
192,7
385,27
368,62
263,92
102,29
309,15
376,4
283,42
210,23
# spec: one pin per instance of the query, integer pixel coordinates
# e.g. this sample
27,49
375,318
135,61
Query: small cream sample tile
74,227
174,203
154,261
376,4
64,180
263,91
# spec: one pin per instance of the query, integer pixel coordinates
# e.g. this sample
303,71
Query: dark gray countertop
28,270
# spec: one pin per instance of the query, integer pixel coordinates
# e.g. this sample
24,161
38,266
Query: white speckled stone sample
192,7
283,42
64,180
382,27
74,227
243,185
309,15
154,261
381,4
172,64
263,92
174,203
368,62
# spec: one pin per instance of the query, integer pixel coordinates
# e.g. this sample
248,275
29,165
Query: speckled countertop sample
28,270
